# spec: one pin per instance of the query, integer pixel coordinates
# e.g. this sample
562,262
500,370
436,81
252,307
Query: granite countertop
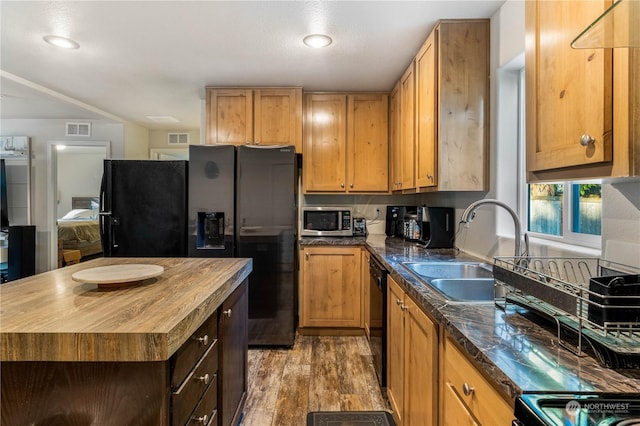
51,317
517,354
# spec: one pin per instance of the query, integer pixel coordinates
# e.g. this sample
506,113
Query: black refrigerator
242,203
143,208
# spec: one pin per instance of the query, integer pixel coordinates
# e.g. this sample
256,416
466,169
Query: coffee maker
437,226
395,220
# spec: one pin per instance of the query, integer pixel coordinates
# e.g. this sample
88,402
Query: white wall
42,132
136,145
621,222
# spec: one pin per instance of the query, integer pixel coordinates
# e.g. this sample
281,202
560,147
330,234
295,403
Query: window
568,212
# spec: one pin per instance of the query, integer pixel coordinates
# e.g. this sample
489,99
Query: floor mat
349,418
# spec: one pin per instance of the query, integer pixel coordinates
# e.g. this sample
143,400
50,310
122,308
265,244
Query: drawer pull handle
227,313
398,302
204,339
204,379
204,419
467,390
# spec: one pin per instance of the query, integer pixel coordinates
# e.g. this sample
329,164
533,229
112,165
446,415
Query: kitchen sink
433,270
465,289
458,282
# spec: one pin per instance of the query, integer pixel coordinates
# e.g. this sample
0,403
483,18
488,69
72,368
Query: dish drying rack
562,290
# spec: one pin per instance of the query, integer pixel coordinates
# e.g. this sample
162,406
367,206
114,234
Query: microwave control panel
346,220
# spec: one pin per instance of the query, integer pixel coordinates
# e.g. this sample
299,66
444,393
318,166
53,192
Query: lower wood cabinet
467,398
203,383
412,361
430,381
330,287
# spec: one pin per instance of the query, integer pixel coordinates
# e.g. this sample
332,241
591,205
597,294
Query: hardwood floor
320,373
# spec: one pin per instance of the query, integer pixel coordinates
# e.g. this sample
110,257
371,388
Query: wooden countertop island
127,354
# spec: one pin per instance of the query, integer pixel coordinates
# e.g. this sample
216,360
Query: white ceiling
142,58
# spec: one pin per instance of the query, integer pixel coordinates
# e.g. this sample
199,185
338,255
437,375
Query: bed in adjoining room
79,228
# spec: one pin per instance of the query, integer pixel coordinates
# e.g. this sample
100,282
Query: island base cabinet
234,339
84,393
203,383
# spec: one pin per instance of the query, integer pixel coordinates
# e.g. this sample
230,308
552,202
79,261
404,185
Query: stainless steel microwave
327,221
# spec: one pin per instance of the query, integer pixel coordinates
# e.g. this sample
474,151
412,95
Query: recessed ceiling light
63,42
317,40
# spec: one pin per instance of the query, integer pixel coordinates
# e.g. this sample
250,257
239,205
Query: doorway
73,201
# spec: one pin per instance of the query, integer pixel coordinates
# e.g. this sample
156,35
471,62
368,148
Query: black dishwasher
378,318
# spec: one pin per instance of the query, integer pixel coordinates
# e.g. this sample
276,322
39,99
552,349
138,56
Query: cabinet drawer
190,352
200,379
482,400
206,412
454,411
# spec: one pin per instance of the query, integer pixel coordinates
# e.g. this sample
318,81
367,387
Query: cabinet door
407,128
394,139
229,116
324,159
463,107
426,98
368,143
568,91
278,117
366,292
421,367
395,349
331,287
233,340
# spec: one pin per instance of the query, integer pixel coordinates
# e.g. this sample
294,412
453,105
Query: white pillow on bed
79,214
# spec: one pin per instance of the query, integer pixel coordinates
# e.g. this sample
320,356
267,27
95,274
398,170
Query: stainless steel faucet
470,212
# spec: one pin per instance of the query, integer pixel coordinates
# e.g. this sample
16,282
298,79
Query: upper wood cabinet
426,134
444,110
395,149
346,143
407,129
583,105
254,116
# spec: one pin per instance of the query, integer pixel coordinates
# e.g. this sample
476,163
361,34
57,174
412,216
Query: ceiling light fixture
63,42
163,118
317,40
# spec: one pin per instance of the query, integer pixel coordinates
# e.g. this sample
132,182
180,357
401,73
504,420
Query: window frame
568,236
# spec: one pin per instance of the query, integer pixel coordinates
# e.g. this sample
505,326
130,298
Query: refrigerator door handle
102,208
114,221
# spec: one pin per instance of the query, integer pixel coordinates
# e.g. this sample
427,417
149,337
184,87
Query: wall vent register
78,129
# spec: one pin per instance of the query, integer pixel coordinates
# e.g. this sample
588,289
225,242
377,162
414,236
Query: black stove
577,409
